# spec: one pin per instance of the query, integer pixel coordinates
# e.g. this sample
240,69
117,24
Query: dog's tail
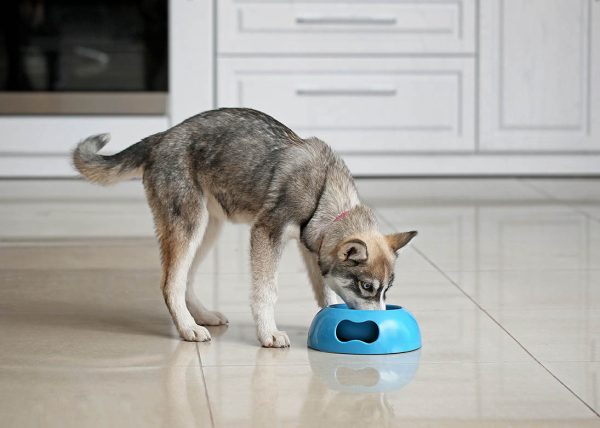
107,170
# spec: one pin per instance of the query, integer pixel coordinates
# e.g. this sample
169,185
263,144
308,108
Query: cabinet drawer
361,105
358,27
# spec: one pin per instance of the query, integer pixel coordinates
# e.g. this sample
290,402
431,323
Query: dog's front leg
265,248
323,294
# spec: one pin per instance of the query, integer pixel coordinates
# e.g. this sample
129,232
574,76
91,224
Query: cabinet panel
366,27
48,136
539,84
390,105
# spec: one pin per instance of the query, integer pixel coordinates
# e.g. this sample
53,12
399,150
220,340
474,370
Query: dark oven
83,57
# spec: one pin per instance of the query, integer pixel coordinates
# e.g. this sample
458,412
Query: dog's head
360,268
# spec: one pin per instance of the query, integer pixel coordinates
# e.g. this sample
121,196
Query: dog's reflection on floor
183,376
184,379
342,389
352,388
348,409
364,373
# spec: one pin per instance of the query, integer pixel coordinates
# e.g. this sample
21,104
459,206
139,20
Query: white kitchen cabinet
361,105
398,87
540,75
337,26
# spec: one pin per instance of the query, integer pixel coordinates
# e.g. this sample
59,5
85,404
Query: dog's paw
210,318
275,339
194,333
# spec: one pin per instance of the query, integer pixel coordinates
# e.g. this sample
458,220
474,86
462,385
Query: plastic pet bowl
341,330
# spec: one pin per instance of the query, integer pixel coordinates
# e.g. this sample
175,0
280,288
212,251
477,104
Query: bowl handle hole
366,331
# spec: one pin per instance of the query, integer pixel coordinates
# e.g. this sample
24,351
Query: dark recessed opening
366,331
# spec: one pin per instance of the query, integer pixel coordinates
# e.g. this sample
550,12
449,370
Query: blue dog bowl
341,330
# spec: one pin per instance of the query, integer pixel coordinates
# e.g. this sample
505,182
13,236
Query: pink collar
341,215
338,217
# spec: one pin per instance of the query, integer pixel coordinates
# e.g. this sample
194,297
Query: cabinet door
540,75
361,105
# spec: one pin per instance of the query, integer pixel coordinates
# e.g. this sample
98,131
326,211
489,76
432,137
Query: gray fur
242,164
107,170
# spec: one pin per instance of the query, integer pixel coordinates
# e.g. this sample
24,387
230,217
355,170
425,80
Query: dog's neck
336,215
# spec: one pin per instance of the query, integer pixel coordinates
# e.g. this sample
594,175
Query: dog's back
244,159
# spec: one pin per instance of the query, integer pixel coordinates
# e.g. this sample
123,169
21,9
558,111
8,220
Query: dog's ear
399,240
353,250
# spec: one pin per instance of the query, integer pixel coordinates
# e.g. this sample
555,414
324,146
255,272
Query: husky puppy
242,165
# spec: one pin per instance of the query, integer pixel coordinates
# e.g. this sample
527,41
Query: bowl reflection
364,373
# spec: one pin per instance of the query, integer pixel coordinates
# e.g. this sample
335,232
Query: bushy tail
107,170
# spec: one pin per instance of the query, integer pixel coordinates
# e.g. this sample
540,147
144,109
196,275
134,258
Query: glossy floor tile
154,395
448,191
343,394
92,339
583,378
504,280
561,334
582,194
501,237
552,289
584,190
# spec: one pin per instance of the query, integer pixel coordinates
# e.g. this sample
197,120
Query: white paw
194,333
274,339
210,318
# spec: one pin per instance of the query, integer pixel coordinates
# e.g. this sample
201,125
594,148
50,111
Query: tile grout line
210,411
505,330
459,288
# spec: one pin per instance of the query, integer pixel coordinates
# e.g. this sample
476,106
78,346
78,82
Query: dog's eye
366,286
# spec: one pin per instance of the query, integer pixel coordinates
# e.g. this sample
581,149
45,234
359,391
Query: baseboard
374,165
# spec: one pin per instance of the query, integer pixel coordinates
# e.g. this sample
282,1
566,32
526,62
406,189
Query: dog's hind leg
180,217
201,314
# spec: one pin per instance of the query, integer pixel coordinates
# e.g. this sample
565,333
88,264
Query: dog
242,165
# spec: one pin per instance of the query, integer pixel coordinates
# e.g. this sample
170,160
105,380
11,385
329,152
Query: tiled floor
504,279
